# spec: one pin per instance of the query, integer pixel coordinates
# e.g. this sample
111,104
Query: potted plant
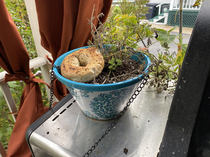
125,63
105,98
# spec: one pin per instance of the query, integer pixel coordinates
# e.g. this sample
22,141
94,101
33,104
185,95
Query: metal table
66,131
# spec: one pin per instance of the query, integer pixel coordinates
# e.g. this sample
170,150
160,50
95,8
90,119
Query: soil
128,69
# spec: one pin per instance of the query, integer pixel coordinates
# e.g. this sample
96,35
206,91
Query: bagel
82,65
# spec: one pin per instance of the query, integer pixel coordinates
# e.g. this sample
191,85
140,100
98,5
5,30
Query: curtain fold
63,26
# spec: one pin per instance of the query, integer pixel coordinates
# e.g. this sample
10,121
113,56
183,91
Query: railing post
2,151
9,99
32,14
171,4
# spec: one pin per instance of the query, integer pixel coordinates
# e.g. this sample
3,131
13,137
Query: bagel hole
82,65
83,60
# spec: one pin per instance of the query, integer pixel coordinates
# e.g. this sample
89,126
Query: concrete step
160,17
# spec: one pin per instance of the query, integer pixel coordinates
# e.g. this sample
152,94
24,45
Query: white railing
186,4
34,63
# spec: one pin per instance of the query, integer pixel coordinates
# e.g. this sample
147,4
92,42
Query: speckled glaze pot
101,101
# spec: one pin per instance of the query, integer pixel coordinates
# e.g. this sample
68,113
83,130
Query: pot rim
97,87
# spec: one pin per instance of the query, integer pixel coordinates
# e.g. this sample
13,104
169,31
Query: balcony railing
187,5
38,62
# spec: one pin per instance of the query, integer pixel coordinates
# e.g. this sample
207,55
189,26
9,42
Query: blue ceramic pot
103,101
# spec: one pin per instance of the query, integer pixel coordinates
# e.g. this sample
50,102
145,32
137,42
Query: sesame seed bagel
82,65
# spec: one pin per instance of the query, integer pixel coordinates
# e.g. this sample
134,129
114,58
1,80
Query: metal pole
180,28
180,20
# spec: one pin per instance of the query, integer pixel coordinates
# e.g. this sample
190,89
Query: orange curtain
63,26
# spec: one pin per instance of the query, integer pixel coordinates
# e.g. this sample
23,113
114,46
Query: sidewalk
185,30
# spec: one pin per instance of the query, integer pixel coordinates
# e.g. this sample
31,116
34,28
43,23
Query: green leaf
170,76
164,37
171,38
161,30
133,19
148,31
17,19
117,17
1,94
135,46
176,69
131,39
119,62
172,29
